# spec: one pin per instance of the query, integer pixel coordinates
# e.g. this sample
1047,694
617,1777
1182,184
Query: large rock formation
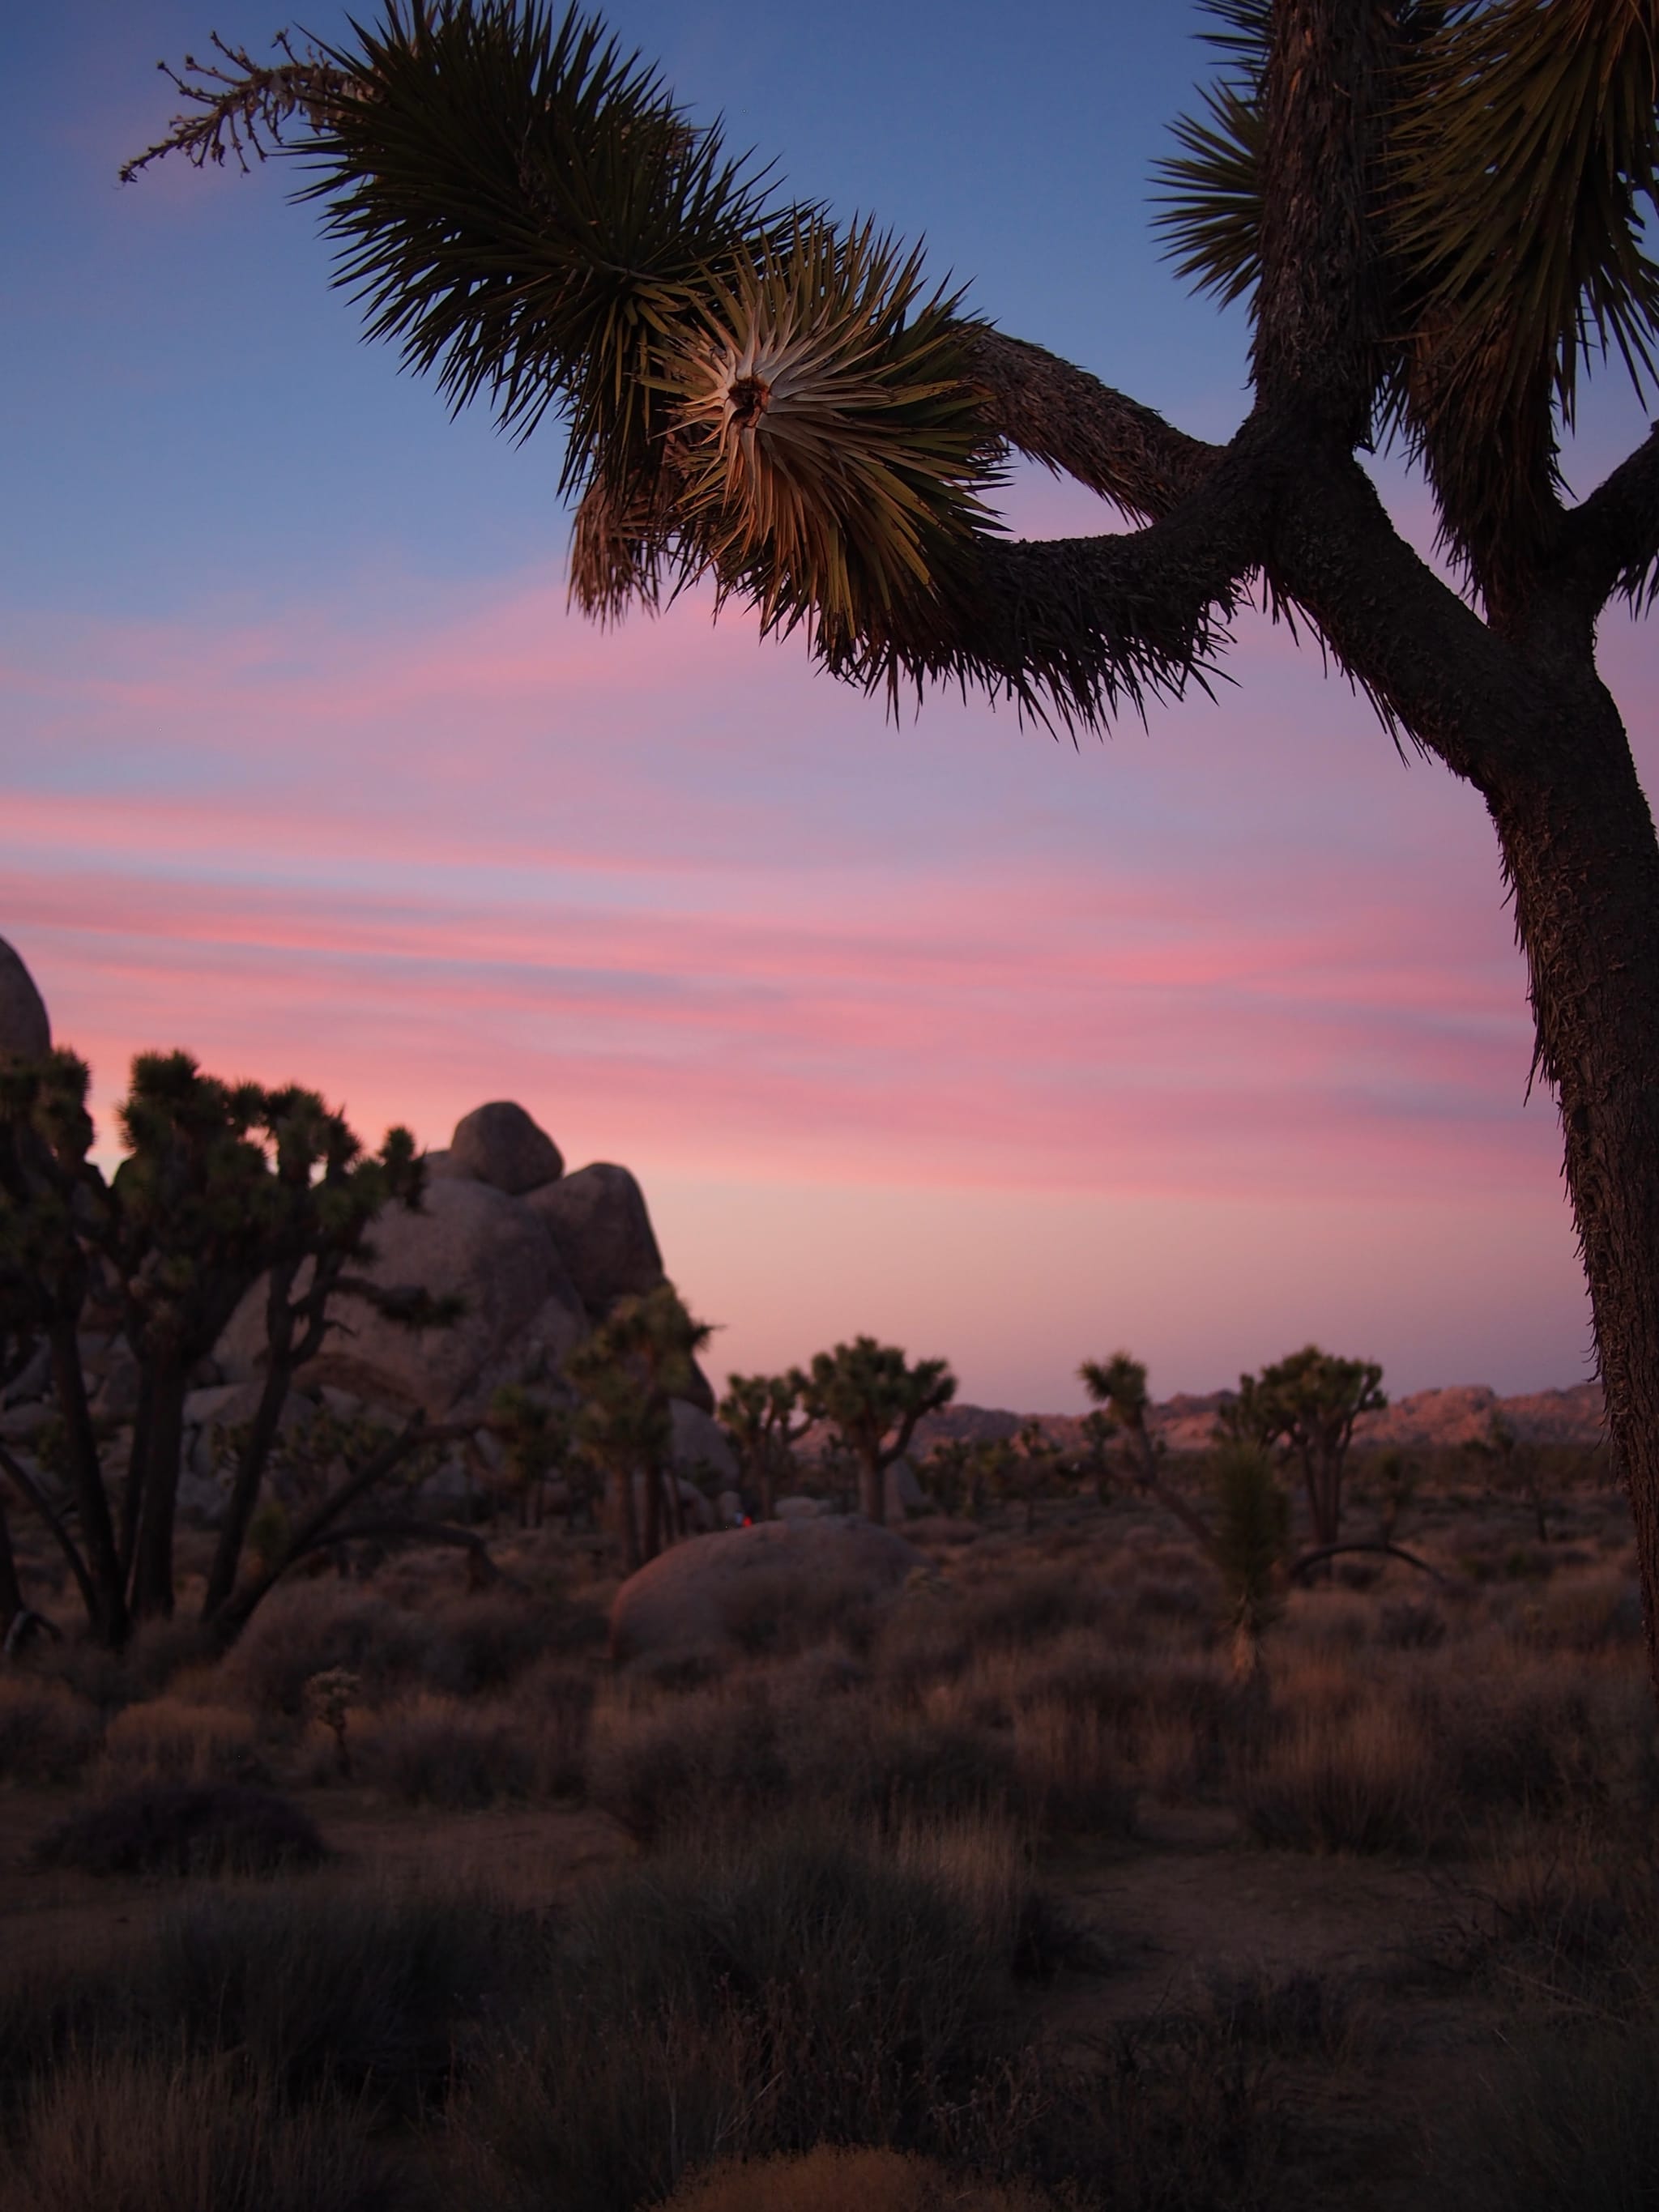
702,1599
25,1029
597,1219
522,1314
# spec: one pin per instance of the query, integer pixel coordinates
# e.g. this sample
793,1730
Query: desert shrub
1371,1778
554,1704
831,2178
900,1769
1587,1614
311,1628
1032,1608
1571,2118
163,2134
1299,2014
1172,1597
923,1641
363,1990
436,1751
1571,1913
184,1828
705,1758
168,1740
1172,1718
487,1640
1537,1737
798,1988
1072,1773
48,1734
368,1993
772,1612
1411,1625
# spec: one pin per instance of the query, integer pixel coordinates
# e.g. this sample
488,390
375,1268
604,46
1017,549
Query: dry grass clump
48,1734
1571,2118
310,1628
171,1739
1366,1777
170,2135
835,2179
703,1756
756,2000
184,1828
359,1989
438,1751
1073,1776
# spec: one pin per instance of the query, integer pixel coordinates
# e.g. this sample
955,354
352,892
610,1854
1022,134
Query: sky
1205,1039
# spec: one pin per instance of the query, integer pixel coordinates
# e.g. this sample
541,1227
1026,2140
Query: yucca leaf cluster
1510,196
747,391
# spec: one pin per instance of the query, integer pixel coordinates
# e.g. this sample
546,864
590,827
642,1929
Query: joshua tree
872,1397
1026,1469
755,1415
626,1375
1118,1385
221,1185
536,1436
1252,1530
1308,1403
1518,1466
1435,213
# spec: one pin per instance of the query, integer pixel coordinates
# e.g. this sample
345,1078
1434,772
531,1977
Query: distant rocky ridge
1424,1421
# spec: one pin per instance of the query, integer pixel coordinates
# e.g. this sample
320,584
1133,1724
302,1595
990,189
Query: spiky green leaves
832,449
1524,167
1520,167
521,206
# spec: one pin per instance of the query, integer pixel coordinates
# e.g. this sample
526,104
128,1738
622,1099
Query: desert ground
1003,1890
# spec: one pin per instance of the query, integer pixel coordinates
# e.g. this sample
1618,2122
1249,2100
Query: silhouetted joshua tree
756,1413
873,1398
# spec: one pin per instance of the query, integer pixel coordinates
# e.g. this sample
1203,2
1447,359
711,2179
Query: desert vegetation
1007,1888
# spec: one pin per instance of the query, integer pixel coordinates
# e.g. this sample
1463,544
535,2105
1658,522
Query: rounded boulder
25,1028
741,1588
501,1146
598,1221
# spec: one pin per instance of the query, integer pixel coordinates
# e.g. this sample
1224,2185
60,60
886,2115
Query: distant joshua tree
1252,1532
756,1413
627,1375
873,1398
1307,1404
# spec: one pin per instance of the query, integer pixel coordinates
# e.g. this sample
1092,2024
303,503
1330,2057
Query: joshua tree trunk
1579,847
112,1620
874,1486
152,1569
245,1490
11,1592
628,1519
280,1364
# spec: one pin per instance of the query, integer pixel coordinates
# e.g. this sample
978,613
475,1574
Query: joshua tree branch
403,1524
1610,542
1423,657
1309,1560
234,1615
1073,422
31,1492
